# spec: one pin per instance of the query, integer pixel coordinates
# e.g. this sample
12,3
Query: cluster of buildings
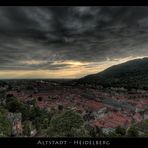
109,122
106,109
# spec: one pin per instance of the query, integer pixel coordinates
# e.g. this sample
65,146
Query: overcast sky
69,42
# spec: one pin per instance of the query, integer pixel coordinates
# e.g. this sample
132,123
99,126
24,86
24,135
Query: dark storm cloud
84,34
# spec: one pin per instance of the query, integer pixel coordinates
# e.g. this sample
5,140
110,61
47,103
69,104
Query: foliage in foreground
67,124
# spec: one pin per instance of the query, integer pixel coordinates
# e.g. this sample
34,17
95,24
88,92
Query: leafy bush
120,130
5,127
63,125
132,132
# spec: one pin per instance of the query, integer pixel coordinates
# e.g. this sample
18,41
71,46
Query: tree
45,123
26,128
96,132
40,118
25,110
9,96
64,124
99,132
60,107
40,98
132,132
2,94
12,104
78,132
67,120
5,127
146,122
120,130
112,134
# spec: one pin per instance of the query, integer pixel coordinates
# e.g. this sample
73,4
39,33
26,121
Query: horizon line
72,78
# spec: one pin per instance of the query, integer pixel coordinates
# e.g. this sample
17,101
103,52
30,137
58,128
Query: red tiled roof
112,121
145,102
137,117
93,105
141,106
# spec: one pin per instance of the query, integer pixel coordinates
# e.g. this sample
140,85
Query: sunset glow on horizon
74,70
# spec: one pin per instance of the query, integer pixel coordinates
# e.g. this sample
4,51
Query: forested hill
132,74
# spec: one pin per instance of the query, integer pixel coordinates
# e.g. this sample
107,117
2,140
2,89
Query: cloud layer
70,39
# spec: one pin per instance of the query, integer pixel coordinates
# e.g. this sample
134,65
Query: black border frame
113,142
73,2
